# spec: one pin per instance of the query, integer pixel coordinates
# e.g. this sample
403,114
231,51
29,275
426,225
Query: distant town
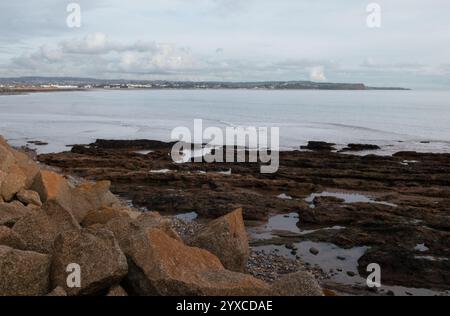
43,84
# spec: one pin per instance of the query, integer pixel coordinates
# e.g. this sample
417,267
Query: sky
231,40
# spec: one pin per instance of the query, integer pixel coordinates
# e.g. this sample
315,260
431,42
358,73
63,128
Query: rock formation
49,226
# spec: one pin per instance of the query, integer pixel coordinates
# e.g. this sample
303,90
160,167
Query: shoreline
142,172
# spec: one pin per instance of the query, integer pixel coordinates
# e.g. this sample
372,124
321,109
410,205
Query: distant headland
44,84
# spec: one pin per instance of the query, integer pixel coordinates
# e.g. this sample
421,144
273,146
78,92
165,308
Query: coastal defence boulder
226,238
12,182
40,228
161,265
79,200
124,228
17,171
103,215
52,186
12,212
28,197
23,273
101,261
10,238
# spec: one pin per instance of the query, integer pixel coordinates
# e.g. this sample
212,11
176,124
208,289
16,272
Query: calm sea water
396,120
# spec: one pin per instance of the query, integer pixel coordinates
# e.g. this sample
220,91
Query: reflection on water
347,197
339,264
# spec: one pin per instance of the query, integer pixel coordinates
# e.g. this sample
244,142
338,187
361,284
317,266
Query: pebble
314,251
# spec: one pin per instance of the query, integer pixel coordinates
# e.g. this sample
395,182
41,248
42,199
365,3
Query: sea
413,120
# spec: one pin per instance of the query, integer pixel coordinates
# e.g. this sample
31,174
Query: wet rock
314,251
160,265
10,238
39,229
420,192
319,146
327,200
226,238
398,266
29,197
23,273
297,284
96,251
360,147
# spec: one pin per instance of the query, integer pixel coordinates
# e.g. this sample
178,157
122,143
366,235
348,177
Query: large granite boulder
103,215
13,181
6,157
96,251
10,213
52,186
10,238
226,238
28,197
161,265
23,273
92,196
28,166
40,228
124,228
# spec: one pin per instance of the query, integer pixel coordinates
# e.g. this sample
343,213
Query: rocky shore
395,208
56,229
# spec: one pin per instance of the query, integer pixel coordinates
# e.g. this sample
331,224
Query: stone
58,291
10,238
13,182
226,238
10,213
91,196
23,273
28,166
117,291
29,197
52,186
39,229
124,228
300,283
161,265
314,251
319,146
102,216
6,157
97,253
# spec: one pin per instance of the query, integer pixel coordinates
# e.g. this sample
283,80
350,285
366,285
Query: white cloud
317,74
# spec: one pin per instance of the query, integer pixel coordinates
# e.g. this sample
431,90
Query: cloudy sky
233,40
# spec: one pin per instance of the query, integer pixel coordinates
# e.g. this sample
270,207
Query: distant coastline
51,84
